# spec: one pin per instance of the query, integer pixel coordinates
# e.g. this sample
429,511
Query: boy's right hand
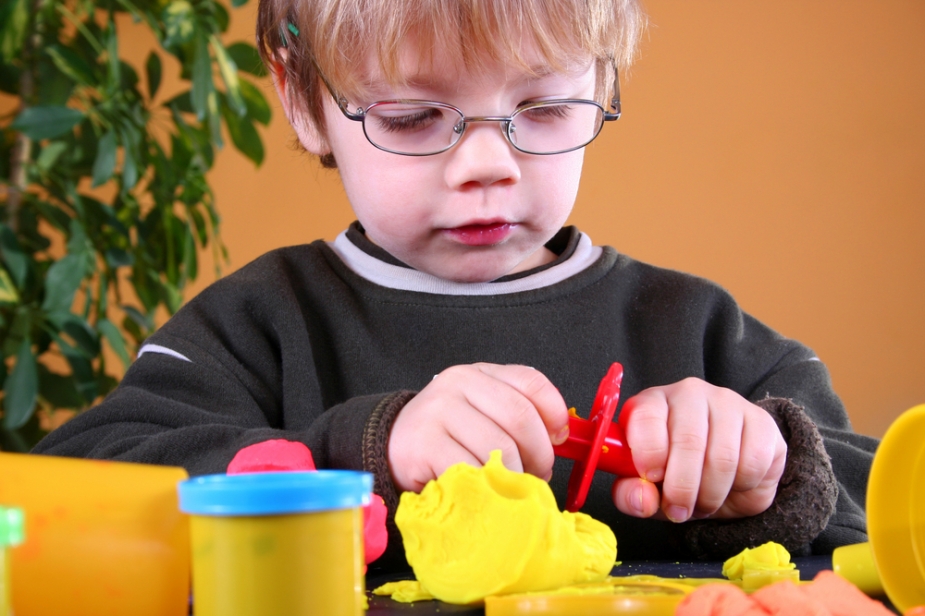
468,411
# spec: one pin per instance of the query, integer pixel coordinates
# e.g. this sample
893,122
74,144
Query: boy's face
478,211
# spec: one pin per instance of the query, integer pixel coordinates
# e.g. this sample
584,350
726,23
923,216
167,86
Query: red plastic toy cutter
596,443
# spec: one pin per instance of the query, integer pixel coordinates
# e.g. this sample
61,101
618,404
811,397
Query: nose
483,157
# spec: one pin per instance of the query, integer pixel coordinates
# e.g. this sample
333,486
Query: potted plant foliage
103,186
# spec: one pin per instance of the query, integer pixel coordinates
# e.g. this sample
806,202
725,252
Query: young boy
458,316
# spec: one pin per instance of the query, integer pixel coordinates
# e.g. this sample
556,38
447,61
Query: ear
306,130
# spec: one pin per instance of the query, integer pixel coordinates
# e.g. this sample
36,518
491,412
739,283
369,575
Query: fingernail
636,498
653,476
561,436
677,514
548,477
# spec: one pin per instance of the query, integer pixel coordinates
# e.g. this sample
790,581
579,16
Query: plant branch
22,149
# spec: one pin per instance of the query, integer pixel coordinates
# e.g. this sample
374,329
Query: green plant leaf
52,87
61,283
115,339
215,120
105,163
15,258
86,339
247,59
47,122
9,78
181,102
118,257
203,85
153,69
71,64
229,72
14,20
58,390
129,170
50,154
112,54
128,78
220,17
171,296
244,135
8,293
257,107
179,23
21,388
82,369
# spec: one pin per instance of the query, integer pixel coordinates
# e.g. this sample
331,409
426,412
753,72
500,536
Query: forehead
450,70
446,70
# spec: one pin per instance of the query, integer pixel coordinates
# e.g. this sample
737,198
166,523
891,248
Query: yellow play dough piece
476,532
757,567
404,591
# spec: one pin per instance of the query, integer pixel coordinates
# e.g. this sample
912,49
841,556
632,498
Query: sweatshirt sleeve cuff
805,499
375,451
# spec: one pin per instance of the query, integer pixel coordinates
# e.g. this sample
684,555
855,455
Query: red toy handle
597,442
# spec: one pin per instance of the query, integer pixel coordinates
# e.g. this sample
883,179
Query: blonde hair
335,36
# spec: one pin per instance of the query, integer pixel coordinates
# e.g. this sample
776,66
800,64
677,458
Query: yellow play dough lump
761,566
476,532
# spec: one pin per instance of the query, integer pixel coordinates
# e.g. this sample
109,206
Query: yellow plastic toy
894,559
102,538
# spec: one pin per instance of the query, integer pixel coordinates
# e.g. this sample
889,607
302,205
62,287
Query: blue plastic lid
275,492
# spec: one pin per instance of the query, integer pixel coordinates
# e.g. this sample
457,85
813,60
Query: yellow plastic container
277,544
102,538
894,558
656,598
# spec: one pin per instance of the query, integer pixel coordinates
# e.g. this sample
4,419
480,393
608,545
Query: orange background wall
777,148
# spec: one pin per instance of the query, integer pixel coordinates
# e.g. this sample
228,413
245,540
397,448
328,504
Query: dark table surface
808,566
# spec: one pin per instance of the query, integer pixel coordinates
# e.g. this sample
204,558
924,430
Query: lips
481,234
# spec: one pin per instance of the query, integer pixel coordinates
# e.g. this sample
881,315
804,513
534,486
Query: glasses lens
412,128
558,126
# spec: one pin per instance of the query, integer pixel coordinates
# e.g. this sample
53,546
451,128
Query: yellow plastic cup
277,544
102,538
894,559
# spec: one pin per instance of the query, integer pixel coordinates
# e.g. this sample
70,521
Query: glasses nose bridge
504,126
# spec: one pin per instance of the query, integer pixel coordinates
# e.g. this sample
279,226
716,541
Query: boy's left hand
714,453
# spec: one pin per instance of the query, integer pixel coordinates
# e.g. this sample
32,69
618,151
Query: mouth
481,234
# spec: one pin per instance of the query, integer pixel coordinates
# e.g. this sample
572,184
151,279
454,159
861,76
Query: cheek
388,199
556,182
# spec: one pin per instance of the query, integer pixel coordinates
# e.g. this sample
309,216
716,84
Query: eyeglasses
423,128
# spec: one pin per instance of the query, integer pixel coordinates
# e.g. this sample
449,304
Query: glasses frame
359,115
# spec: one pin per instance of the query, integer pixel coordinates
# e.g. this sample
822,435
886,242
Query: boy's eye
394,120
547,113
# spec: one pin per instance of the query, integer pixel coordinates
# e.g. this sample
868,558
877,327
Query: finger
636,497
688,425
450,453
539,390
479,435
721,462
647,432
762,443
517,413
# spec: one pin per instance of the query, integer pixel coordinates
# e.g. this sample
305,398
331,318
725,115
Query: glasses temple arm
615,107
